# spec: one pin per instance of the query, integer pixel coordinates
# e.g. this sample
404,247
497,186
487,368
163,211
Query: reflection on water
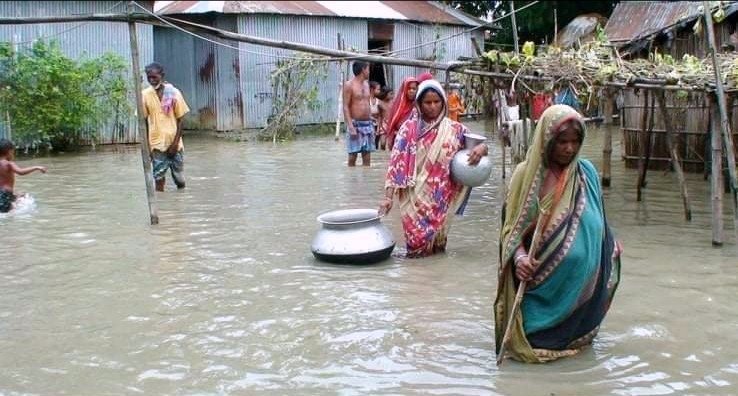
224,296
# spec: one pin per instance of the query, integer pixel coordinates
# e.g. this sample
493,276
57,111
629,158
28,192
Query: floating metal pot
468,175
352,236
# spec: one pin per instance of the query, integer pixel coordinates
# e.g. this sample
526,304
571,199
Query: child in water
8,170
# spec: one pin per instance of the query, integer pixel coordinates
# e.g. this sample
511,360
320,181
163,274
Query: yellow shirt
162,127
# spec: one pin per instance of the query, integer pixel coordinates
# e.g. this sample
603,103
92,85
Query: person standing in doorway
164,108
357,115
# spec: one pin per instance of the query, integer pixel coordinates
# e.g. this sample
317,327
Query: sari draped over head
400,111
419,170
570,293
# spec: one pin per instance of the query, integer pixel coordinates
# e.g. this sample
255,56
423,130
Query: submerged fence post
674,155
722,106
716,181
607,139
142,131
644,147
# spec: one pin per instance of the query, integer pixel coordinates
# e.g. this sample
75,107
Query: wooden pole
142,129
607,139
722,106
649,140
556,25
716,182
675,162
477,48
341,79
541,224
643,147
9,127
514,26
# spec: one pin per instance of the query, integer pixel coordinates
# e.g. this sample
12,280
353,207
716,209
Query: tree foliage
535,23
55,101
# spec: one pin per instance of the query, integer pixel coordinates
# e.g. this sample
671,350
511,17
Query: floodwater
224,297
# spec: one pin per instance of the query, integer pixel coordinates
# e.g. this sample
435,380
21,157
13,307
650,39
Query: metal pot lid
349,216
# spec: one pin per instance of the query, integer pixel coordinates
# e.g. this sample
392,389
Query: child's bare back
8,170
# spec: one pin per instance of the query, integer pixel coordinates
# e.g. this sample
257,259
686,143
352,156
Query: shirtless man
357,115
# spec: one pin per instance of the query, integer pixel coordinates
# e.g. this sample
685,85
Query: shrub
58,102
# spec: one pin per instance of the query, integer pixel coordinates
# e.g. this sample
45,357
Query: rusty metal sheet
632,20
418,11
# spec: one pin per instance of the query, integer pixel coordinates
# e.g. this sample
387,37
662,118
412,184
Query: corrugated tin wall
78,40
256,68
409,35
175,51
206,81
207,74
229,99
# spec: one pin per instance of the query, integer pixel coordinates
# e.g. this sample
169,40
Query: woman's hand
385,206
525,267
477,153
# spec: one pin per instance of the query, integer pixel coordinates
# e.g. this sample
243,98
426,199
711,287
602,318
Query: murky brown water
224,297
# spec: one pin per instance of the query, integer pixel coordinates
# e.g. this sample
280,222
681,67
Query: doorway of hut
378,71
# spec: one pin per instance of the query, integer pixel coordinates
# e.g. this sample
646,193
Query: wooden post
143,135
556,26
607,137
649,139
643,139
722,106
716,182
9,127
477,48
675,155
514,27
341,77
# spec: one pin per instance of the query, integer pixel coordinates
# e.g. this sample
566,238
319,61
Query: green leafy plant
295,90
58,102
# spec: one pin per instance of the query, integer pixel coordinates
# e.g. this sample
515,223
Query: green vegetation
295,91
56,102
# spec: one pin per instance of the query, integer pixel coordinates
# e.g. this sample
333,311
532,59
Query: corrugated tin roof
633,20
420,11
580,28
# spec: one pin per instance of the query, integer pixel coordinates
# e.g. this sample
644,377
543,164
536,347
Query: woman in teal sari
554,209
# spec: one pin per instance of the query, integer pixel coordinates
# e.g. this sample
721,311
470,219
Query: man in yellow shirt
164,108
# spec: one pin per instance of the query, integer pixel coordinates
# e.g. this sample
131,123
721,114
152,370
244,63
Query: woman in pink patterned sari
419,171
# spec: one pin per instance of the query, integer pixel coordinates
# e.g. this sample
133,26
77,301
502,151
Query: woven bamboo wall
691,121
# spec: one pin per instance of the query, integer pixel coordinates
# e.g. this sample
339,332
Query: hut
228,84
640,29
78,40
581,29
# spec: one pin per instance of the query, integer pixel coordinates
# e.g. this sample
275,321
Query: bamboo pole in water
675,156
716,182
143,135
649,139
607,143
722,106
339,100
644,144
